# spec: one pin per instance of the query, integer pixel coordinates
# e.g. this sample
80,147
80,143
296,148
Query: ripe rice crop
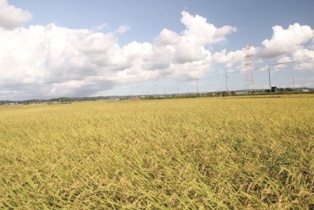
201,153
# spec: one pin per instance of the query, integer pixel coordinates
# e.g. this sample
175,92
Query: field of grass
201,153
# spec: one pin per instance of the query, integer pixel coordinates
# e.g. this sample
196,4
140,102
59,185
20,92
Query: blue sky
78,48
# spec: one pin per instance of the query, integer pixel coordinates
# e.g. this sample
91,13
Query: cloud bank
54,61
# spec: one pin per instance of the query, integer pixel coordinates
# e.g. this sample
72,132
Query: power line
222,75
295,61
226,82
274,64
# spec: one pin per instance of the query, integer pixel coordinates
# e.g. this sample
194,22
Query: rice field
201,153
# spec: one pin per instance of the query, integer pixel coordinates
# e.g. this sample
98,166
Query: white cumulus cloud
200,32
191,46
228,58
12,17
53,61
286,41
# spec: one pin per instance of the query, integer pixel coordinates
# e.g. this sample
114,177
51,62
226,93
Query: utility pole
293,82
197,87
274,64
226,82
269,81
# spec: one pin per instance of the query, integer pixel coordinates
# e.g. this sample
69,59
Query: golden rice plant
201,153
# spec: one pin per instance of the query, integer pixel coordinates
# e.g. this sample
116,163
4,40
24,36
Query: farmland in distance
201,153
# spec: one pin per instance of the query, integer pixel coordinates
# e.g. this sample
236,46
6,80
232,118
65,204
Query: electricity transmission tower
248,64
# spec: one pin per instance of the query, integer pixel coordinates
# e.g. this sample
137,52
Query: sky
78,48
